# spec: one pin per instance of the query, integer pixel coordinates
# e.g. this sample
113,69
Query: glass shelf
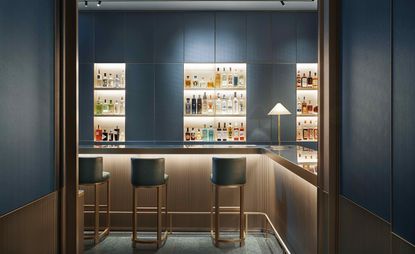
216,115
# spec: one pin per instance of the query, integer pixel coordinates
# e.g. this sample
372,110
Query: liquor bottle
242,132
241,105
224,82
210,105
230,132
309,80
122,106
110,136
218,104
105,80
192,134
230,78
187,135
98,107
217,78
218,133
188,106
203,83
98,134
298,79
315,109
117,81
204,104
117,134
304,81
111,107
105,107
198,135
299,105
224,105
310,107
110,81
235,108
224,133
315,80
205,134
236,132
122,79
235,78
99,79
241,79
316,134
230,105
211,133
104,135
117,107
299,132
305,131
304,107
210,83
199,105
188,82
194,104
195,81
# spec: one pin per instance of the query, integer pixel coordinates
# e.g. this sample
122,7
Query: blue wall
26,93
155,46
377,162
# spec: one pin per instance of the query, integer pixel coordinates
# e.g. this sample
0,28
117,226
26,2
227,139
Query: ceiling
205,5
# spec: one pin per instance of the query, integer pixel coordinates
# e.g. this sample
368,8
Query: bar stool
149,173
228,173
91,173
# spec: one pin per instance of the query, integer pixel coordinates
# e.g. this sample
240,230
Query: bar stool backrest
90,170
229,171
147,172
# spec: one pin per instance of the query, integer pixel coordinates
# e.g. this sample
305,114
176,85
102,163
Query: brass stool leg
217,216
134,217
158,217
96,215
241,217
108,205
166,211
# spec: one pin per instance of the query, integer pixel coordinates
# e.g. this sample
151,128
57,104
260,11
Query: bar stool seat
228,173
91,173
149,173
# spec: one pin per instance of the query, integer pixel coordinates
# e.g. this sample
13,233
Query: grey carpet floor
184,243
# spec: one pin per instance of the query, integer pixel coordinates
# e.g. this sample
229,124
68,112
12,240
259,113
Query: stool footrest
163,238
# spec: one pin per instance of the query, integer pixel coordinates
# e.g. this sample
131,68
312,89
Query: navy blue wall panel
199,37
169,102
259,40
27,97
86,37
282,90
86,101
138,37
366,104
403,204
260,102
140,102
284,37
230,37
307,37
169,38
109,36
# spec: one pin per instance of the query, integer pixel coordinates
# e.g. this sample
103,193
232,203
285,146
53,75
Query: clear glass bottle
211,133
224,79
105,107
218,104
204,104
110,81
111,107
198,135
117,81
241,79
230,105
299,105
205,134
224,105
117,107
122,79
105,80
230,78
241,105
235,108
235,78
188,106
99,79
203,83
122,106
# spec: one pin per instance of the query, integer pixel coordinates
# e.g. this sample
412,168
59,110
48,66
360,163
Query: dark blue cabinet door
138,37
260,102
86,37
366,104
259,43
168,38
86,102
169,102
199,37
230,37
403,120
109,37
140,102
307,37
284,37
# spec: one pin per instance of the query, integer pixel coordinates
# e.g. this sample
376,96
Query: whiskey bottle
304,107
210,83
194,104
230,105
111,107
304,81
224,82
315,80
310,107
205,134
188,106
298,79
230,132
98,134
224,105
230,78
299,132
104,135
242,132
235,78
122,106
199,105
204,104
211,133
309,80
235,108
241,105
195,81
218,104
99,79
117,81
198,135
117,134
224,133
105,80
218,133
236,132
210,105
187,135
105,107
217,78
110,81
188,82
98,107
193,134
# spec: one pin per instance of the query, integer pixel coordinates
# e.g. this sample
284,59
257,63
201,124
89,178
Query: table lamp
279,110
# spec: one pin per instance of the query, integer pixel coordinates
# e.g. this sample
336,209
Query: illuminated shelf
109,115
217,115
216,89
306,141
307,89
307,115
108,89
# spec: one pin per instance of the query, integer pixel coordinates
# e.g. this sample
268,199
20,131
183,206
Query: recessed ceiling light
99,3
86,3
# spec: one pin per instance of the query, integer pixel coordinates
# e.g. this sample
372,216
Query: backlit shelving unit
207,72
114,92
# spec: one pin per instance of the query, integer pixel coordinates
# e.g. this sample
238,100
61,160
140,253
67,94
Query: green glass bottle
98,107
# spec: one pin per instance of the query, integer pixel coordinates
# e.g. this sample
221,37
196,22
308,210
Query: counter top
300,160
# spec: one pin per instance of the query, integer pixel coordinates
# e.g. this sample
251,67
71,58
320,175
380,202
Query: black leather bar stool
149,173
228,173
91,173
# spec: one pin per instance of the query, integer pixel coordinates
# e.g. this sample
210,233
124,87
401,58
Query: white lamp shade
279,109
